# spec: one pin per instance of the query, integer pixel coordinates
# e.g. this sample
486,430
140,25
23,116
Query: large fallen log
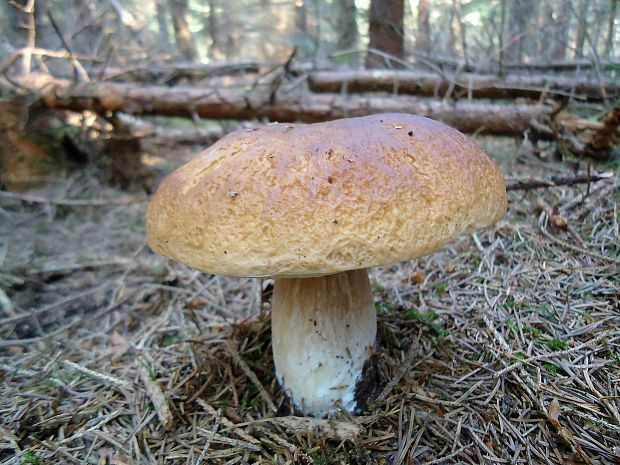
465,84
242,105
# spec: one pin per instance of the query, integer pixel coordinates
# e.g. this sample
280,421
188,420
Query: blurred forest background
504,67
483,34
504,347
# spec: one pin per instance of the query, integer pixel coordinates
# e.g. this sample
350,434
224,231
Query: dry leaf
489,444
559,221
417,277
118,344
232,415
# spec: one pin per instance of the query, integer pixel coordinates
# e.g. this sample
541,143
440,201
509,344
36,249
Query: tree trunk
318,35
582,24
478,85
214,51
227,35
182,34
562,26
347,23
423,34
517,42
453,32
546,26
162,24
301,18
385,30
457,31
609,40
233,104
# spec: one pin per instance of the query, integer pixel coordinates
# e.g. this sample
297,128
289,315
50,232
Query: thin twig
407,365
32,34
76,64
210,437
15,317
250,374
447,457
105,378
29,341
553,181
572,247
227,423
551,355
155,393
43,52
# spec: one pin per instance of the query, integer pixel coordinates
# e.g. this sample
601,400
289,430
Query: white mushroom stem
323,332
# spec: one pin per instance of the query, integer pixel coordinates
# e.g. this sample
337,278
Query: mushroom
313,206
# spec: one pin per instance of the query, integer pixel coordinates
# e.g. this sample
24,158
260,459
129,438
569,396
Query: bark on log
385,31
234,104
481,86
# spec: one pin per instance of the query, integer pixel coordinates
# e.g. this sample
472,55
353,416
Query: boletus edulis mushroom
313,206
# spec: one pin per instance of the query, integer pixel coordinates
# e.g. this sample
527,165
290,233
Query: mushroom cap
295,200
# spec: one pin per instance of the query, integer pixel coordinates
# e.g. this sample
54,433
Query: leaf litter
504,347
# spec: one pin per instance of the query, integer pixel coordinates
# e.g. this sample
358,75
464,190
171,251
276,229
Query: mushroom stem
323,332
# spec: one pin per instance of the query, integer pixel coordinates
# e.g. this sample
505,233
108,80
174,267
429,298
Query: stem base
323,331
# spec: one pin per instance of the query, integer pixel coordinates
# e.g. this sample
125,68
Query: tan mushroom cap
294,200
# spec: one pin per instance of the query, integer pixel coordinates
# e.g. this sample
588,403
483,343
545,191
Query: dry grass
502,348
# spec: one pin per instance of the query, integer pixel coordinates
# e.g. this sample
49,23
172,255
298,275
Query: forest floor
504,347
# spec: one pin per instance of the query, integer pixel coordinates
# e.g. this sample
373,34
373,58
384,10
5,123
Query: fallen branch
554,181
6,65
465,84
243,105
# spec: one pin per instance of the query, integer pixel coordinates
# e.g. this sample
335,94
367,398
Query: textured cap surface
300,200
